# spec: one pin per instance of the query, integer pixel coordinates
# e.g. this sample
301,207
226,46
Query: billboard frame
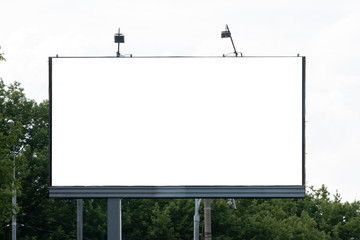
203,191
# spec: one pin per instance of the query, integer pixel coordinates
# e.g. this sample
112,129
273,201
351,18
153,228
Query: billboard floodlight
227,34
232,203
119,38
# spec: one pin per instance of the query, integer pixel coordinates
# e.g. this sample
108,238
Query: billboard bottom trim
291,191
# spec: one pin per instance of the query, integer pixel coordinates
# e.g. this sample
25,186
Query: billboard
177,126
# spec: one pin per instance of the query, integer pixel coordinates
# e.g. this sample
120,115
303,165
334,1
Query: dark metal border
127,57
263,191
179,192
303,120
50,121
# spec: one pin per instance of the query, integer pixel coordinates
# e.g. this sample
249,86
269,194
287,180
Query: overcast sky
326,32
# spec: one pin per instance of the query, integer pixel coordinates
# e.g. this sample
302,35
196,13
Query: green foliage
2,56
10,148
161,224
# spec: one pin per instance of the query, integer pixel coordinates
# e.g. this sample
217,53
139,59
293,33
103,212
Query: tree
5,165
161,224
13,106
2,56
8,137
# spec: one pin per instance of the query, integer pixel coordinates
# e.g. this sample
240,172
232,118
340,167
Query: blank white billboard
176,121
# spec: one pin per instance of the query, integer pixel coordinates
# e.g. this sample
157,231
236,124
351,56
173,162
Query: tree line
318,216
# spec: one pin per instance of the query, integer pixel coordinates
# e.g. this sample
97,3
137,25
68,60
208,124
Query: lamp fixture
227,34
119,38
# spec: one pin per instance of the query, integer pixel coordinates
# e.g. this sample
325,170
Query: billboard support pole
79,219
207,218
114,219
196,218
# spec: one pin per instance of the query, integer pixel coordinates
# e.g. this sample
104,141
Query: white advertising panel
176,121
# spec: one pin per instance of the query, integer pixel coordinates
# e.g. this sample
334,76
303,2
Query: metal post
13,225
207,219
120,221
236,54
11,124
79,219
114,219
196,219
118,52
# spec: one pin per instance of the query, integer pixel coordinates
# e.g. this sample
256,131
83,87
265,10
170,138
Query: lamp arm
236,54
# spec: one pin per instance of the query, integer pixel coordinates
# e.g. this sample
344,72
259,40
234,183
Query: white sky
326,32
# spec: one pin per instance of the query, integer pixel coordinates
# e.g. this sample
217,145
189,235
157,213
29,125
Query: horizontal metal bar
293,56
177,191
